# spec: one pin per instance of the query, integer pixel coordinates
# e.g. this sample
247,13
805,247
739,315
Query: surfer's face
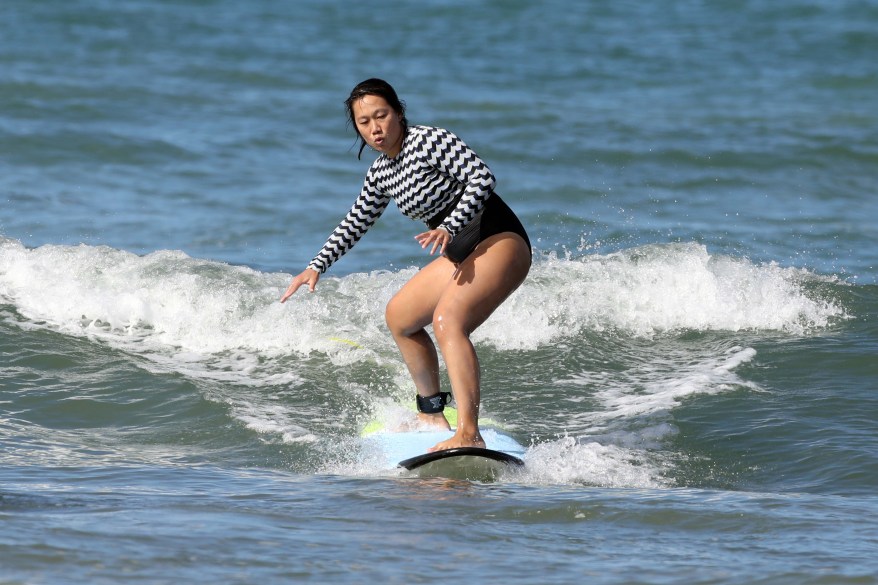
378,124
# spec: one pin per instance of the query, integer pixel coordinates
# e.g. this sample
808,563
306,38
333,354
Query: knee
399,319
447,325
392,316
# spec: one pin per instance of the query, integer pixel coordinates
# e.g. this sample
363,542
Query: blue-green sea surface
691,362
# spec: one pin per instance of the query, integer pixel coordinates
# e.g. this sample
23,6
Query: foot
458,441
435,420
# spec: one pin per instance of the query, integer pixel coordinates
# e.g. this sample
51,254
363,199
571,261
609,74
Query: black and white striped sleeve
452,157
368,207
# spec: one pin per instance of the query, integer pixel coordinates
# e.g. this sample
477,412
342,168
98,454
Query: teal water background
693,361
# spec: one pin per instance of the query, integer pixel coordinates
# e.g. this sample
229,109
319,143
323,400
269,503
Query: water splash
306,371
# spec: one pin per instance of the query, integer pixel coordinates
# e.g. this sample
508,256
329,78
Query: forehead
368,104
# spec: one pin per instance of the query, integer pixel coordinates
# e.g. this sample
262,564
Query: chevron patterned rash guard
433,169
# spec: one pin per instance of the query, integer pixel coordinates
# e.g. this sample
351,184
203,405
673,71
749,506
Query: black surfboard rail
419,460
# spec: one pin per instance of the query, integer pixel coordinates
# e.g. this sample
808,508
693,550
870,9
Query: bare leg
485,279
456,300
407,314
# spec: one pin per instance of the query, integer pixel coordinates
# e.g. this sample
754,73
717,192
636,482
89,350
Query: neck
397,148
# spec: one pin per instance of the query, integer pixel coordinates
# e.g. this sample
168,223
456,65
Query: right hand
307,276
438,238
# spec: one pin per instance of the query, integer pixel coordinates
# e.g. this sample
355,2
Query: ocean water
692,362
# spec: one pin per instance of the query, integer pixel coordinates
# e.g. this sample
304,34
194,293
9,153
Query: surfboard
468,463
407,451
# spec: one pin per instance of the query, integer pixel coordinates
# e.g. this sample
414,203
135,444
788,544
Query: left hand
439,238
307,276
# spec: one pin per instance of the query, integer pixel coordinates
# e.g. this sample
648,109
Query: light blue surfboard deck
408,450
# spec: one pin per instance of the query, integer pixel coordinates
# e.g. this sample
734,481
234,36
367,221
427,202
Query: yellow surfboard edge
346,341
376,426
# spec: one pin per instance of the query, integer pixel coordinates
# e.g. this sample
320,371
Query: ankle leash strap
433,404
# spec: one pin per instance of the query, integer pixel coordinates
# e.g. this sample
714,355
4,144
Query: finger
445,239
290,290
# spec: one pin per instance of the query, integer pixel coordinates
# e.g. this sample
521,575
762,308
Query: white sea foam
568,461
223,324
655,289
620,440
648,389
169,299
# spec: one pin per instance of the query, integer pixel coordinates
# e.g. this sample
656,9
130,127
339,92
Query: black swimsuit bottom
495,218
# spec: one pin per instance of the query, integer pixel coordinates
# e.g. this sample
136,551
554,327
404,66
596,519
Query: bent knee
402,319
393,315
448,324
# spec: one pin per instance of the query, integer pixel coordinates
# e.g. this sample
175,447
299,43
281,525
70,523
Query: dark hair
382,89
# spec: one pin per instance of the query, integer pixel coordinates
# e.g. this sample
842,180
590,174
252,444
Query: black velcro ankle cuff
433,404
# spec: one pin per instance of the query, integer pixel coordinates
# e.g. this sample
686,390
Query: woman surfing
484,251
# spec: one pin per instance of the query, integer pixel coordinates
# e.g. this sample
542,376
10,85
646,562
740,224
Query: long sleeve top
433,169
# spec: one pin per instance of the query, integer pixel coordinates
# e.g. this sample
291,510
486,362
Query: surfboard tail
465,463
